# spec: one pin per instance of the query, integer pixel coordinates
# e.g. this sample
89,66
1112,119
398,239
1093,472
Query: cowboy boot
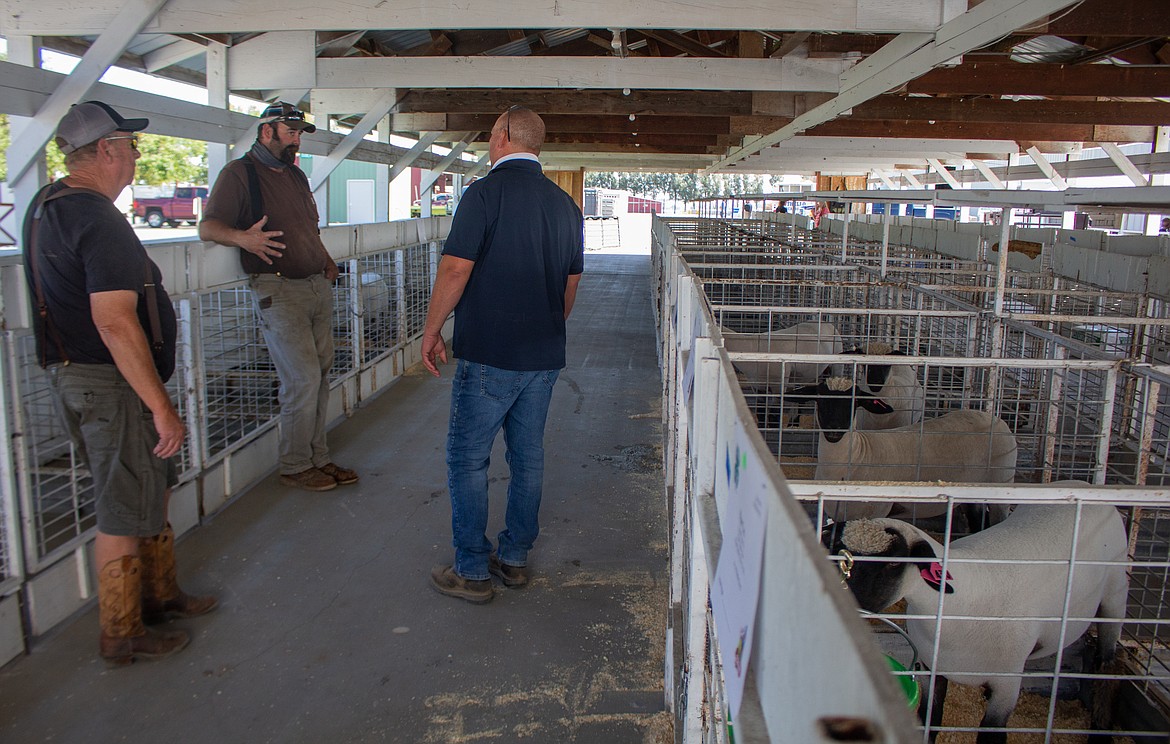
124,638
162,599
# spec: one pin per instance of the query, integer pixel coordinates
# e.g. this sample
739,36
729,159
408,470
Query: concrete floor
329,630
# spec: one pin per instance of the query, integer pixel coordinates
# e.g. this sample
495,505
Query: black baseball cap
292,116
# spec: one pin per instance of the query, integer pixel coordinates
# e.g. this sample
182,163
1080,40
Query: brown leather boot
124,638
162,599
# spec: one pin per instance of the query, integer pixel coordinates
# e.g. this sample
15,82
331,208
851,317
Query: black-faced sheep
960,447
896,384
975,651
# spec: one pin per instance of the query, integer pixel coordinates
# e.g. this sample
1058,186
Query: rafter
1013,78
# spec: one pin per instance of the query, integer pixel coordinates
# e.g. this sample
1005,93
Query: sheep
809,337
897,385
1033,532
962,446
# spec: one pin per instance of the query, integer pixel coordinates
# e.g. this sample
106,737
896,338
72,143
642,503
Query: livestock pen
1075,371
225,386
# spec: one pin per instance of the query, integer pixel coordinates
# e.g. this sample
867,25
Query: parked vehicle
185,205
440,204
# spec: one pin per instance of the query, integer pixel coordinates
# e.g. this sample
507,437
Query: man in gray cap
105,331
262,204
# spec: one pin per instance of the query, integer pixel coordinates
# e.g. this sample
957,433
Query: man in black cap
262,204
105,331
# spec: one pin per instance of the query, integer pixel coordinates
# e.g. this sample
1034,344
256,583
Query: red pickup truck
186,205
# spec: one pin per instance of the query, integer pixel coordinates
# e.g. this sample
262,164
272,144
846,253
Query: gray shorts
114,434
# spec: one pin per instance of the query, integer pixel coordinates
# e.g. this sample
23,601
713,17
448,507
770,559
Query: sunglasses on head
508,120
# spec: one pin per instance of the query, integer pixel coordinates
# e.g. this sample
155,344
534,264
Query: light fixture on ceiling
625,91
633,117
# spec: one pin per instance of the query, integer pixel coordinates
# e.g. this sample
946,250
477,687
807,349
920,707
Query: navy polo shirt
525,235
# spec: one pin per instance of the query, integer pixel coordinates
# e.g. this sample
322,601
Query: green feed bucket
908,684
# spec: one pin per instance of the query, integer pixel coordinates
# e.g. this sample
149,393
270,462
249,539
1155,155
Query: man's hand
331,271
260,243
170,433
433,346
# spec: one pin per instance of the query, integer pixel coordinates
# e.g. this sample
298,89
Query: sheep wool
866,537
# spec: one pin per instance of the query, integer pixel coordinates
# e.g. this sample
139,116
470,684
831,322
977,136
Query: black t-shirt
84,246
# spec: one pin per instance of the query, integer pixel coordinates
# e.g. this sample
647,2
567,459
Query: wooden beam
564,123
681,42
1028,111
642,138
632,149
1011,78
1111,18
790,43
751,44
595,73
67,17
979,130
662,102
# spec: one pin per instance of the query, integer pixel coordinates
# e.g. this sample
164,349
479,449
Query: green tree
5,140
171,160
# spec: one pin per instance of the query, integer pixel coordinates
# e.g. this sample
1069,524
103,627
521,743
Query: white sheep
1023,588
960,447
896,384
809,337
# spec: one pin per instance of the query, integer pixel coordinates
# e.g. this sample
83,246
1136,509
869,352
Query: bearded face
285,143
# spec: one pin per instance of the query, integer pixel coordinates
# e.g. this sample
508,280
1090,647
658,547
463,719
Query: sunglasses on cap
289,114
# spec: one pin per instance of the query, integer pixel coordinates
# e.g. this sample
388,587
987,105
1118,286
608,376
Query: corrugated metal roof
1052,49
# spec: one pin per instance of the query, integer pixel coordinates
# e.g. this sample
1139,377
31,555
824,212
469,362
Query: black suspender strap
254,197
149,287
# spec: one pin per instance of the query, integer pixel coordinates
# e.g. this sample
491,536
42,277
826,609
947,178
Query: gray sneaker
510,575
444,580
310,480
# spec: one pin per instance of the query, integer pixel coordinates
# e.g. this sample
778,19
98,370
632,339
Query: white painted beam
911,179
992,179
413,154
23,90
431,176
217,97
1046,168
324,167
25,53
278,59
941,170
177,51
886,180
910,56
644,73
64,17
1124,164
479,165
108,47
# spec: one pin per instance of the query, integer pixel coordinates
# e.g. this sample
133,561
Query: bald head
523,130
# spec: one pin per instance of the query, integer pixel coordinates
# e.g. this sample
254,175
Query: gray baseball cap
88,122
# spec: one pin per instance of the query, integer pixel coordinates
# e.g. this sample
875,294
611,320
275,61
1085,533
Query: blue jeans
483,400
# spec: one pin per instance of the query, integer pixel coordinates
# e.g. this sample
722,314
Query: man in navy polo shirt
510,271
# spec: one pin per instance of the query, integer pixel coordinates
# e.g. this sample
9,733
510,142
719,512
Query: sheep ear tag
933,575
